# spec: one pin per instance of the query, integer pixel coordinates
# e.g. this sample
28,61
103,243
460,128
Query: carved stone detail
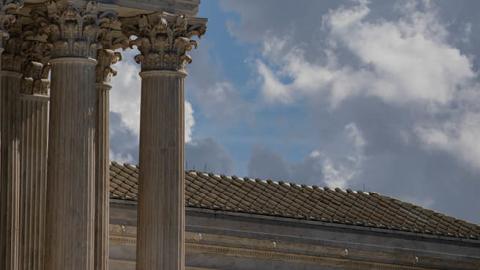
74,28
111,38
164,40
104,71
110,34
35,81
11,45
7,10
27,51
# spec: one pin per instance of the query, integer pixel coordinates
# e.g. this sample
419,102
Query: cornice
314,224
335,226
271,248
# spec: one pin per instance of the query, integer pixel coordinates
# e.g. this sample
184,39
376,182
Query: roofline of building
327,225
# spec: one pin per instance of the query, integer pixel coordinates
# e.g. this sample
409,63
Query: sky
380,96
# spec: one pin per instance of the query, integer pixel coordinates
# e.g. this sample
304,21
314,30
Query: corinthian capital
110,35
27,51
25,43
8,8
36,69
73,28
104,71
164,39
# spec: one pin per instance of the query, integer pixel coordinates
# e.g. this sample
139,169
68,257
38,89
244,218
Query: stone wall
219,240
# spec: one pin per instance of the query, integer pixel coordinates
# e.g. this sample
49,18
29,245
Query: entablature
129,8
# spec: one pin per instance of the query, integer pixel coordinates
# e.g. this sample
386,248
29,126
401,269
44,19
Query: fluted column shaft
10,83
33,110
161,202
163,41
104,73
33,136
102,175
71,165
9,170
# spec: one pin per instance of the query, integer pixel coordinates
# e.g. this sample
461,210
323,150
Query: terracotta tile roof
280,199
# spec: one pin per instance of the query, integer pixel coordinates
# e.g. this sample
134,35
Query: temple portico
54,186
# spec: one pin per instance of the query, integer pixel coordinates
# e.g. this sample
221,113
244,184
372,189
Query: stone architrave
163,41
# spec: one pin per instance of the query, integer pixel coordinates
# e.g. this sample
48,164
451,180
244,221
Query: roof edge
392,233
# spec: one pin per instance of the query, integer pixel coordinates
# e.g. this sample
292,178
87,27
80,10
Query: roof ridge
267,180
287,182
300,201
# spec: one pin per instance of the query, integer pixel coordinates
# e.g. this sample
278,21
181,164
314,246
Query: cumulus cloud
456,137
212,92
339,172
125,93
209,156
123,141
403,61
267,164
390,96
401,76
220,96
317,168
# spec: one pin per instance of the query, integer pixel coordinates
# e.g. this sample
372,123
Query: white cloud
459,137
403,75
272,88
189,121
408,60
125,93
220,96
403,61
319,167
339,171
122,157
209,156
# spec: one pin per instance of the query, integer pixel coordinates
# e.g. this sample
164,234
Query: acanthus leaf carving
73,28
14,56
111,38
110,34
164,40
8,9
104,71
27,51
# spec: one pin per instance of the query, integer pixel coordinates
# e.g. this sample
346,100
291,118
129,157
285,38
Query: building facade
248,224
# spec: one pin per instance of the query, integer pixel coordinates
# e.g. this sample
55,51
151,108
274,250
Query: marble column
161,199
33,136
9,169
72,145
10,80
104,72
71,164
111,38
163,41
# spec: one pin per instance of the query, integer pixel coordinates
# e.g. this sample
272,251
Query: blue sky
375,95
